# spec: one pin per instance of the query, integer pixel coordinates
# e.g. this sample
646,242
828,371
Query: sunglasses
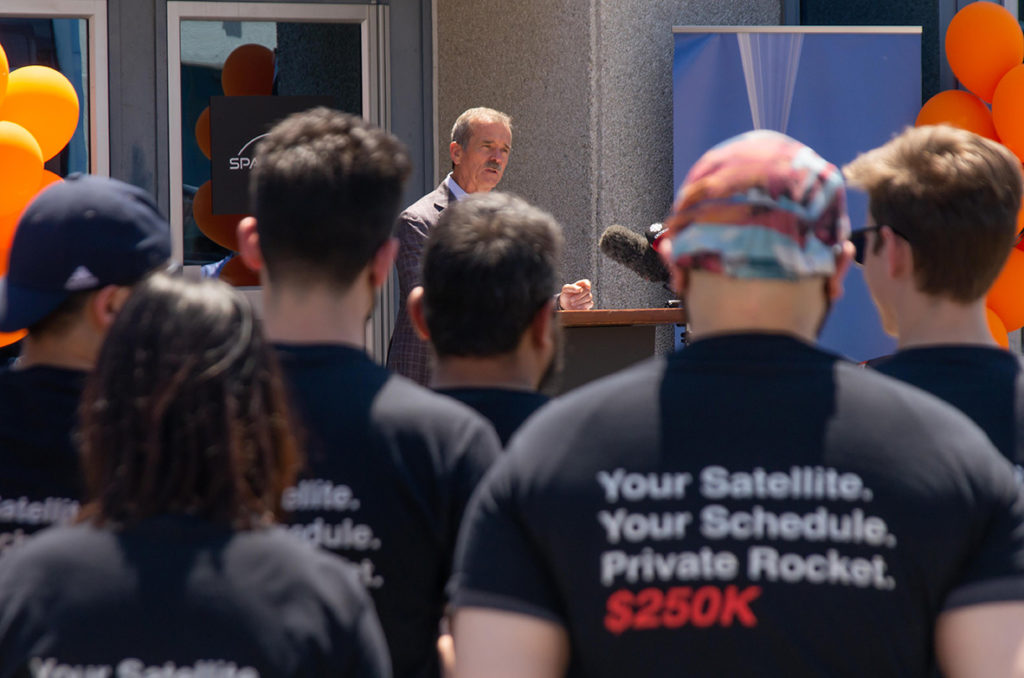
860,242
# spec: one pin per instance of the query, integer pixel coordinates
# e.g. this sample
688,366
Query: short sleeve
480,449
19,627
995,572
354,640
498,564
372,657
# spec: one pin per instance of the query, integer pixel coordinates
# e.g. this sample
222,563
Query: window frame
94,13
374,30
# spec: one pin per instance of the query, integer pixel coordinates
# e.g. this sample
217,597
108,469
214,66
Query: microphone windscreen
634,252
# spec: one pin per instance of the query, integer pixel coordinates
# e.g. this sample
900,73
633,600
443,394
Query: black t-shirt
987,384
505,408
39,472
177,596
390,469
749,506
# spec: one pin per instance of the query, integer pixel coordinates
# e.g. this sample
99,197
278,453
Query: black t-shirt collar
752,347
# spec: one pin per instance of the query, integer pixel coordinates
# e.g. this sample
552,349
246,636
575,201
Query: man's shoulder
505,408
951,358
966,376
53,560
339,388
866,393
15,382
429,206
426,427
291,556
326,360
630,409
38,408
619,408
885,425
55,549
986,383
405,401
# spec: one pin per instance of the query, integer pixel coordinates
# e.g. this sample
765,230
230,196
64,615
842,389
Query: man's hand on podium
576,296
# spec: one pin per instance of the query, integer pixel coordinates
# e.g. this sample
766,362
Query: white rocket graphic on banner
770,65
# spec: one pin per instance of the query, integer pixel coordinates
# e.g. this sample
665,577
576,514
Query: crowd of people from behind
228,493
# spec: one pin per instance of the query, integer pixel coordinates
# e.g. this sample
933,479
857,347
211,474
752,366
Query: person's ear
455,151
104,305
899,257
383,260
540,327
417,314
834,283
249,244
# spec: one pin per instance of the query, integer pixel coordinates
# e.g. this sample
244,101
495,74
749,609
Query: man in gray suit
480,146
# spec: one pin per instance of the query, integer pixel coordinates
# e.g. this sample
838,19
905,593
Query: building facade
587,82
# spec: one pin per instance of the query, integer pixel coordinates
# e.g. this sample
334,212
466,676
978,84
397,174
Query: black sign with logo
236,125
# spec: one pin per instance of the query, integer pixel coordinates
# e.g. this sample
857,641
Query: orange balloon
996,327
1007,109
248,71
959,109
21,167
5,72
983,42
8,223
1006,297
49,178
44,102
236,273
203,132
220,228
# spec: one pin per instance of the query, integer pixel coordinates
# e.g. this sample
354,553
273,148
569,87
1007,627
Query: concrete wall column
588,84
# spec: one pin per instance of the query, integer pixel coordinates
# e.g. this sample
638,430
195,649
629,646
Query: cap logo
81,279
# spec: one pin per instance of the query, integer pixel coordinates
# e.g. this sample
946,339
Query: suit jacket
408,355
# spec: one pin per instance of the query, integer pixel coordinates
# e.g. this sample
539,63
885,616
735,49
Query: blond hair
954,196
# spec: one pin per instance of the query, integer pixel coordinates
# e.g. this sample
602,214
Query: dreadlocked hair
185,412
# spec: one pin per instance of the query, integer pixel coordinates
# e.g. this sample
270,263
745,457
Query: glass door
292,53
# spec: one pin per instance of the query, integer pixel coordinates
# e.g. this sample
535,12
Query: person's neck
502,371
315,315
718,304
925,320
713,329
74,350
463,182
739,317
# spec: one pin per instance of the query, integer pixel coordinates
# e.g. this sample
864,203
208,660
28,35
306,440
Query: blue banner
839,93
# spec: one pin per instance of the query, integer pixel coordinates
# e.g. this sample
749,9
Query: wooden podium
601,341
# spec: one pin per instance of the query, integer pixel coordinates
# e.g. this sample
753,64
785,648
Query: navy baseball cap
79,234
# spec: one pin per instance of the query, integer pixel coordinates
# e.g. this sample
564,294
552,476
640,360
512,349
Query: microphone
633,251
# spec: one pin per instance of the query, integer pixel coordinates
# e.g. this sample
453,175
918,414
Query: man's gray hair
462,128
